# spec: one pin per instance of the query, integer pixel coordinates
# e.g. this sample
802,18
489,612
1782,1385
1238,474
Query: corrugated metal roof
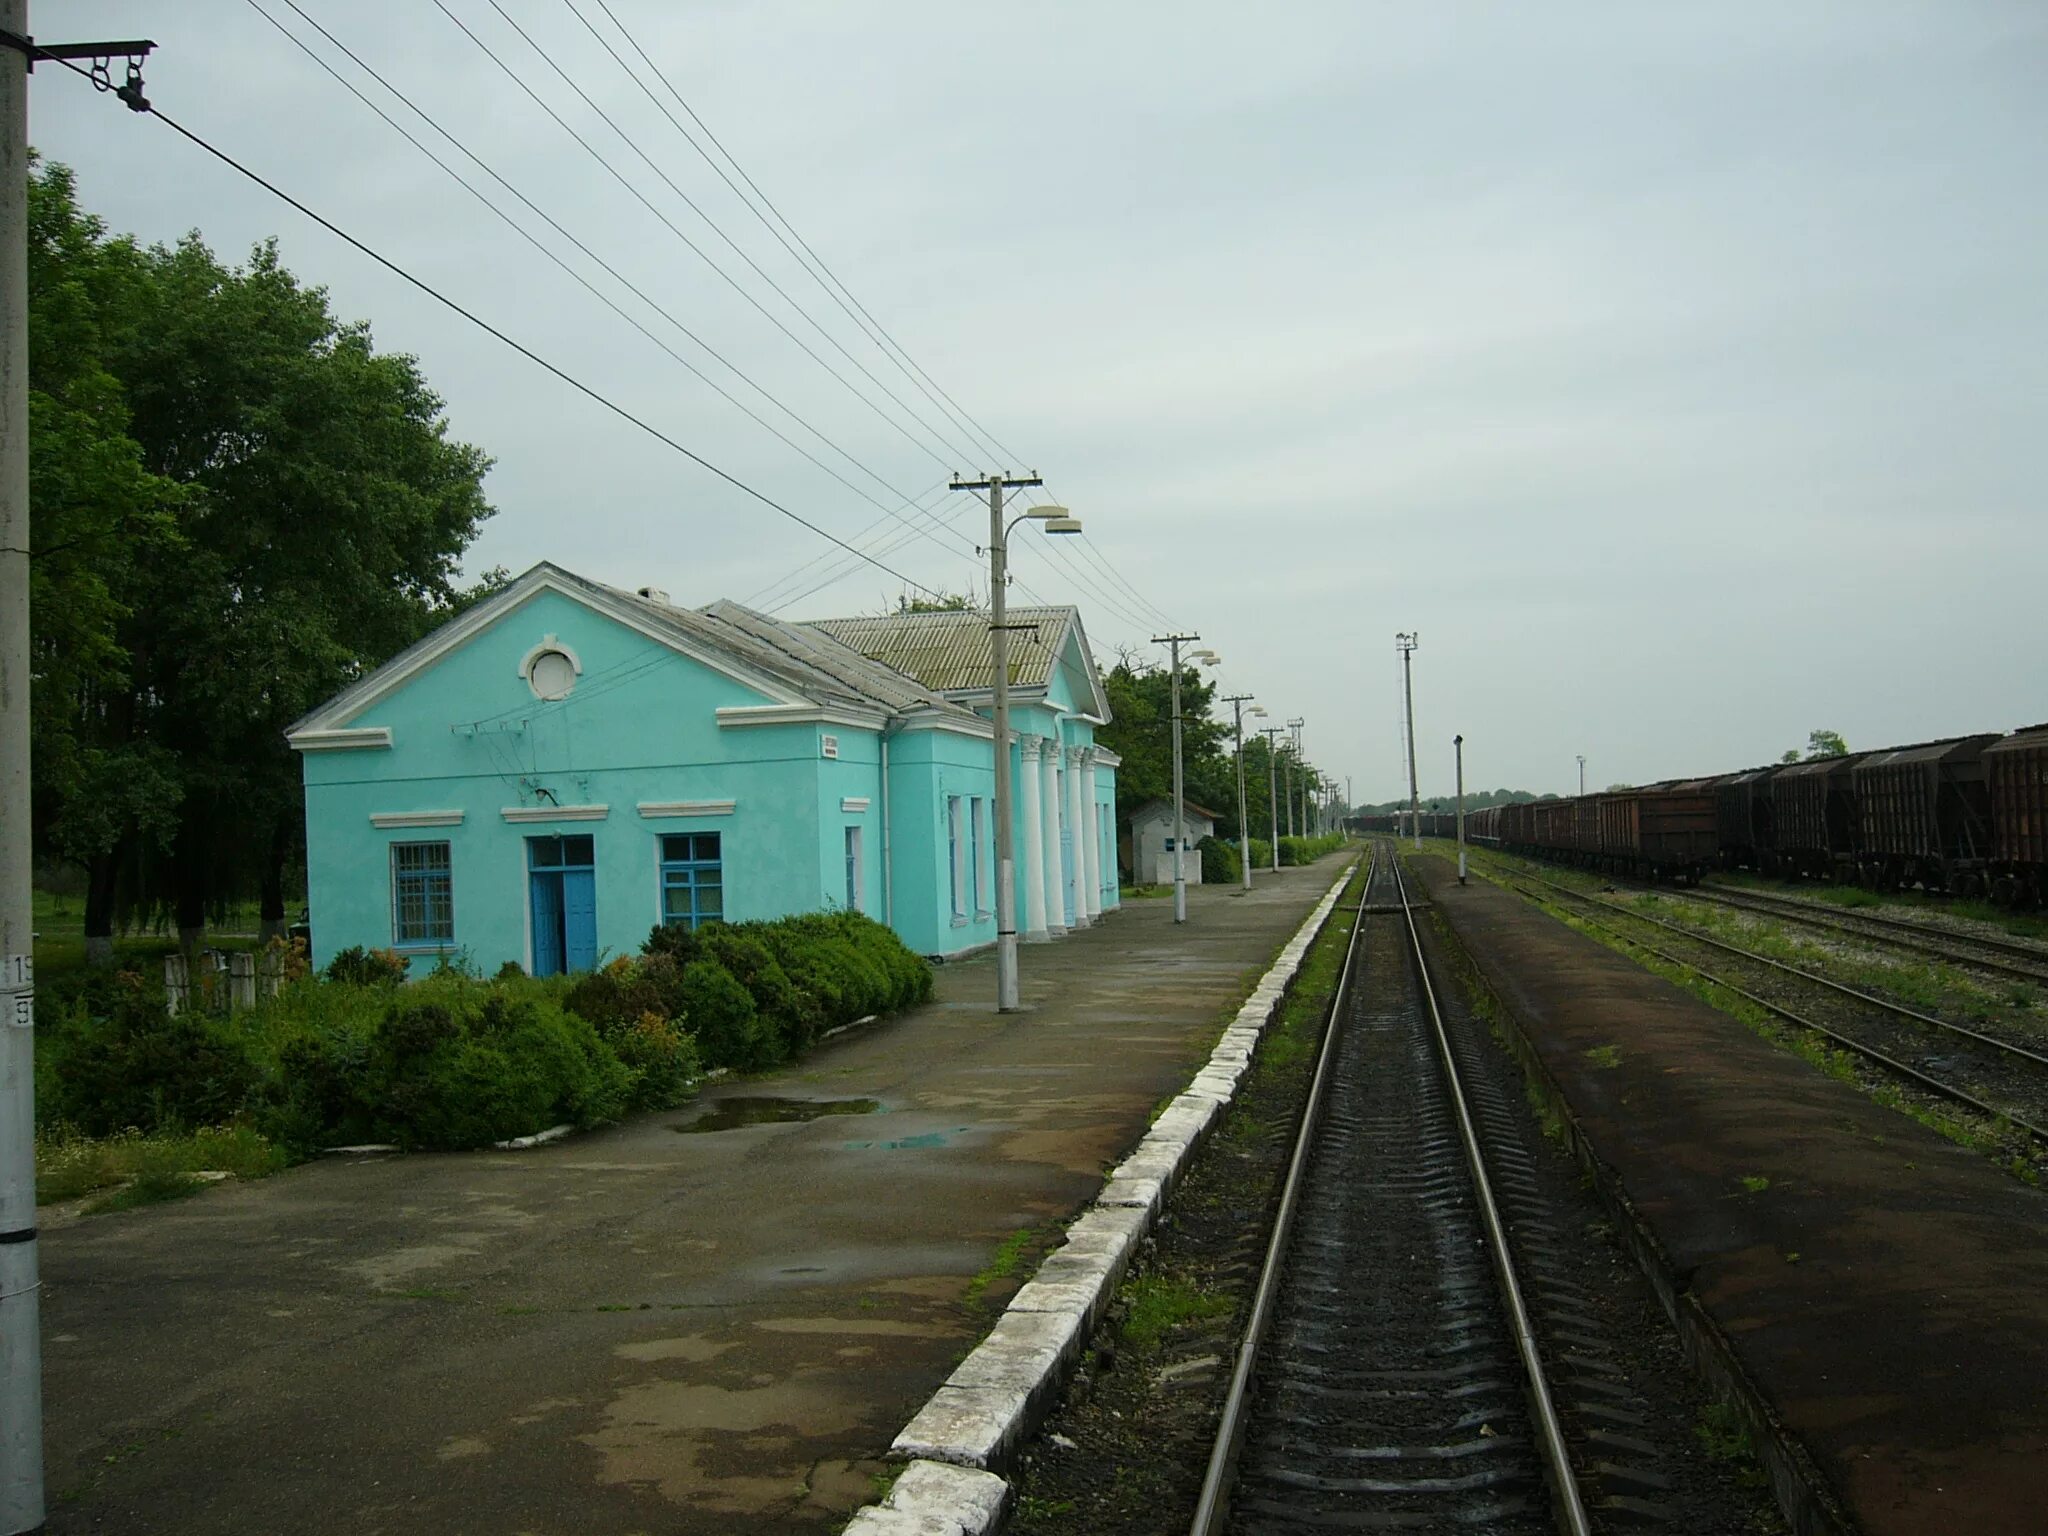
817,665
821,653
949,652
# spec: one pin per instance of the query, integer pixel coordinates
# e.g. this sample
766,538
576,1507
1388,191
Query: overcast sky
1679,372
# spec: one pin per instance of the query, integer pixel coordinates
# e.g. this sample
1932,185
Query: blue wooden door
579,919
546,897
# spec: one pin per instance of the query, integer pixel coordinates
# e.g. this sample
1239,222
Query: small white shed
1152,841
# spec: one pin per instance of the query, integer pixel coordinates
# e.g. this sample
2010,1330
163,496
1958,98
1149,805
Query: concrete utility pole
21,1366
1459,743
1295,726
1180,817
1272,733
1582,773
1056,520
1406,645
1237,702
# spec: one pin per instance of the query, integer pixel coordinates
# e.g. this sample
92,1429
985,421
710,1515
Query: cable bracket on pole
100,59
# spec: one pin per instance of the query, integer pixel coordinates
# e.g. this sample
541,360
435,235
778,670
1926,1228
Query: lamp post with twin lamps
1052,520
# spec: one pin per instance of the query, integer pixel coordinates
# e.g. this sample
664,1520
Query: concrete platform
1885,1293
637,1330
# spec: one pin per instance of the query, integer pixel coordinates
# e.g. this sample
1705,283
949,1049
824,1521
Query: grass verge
144,1168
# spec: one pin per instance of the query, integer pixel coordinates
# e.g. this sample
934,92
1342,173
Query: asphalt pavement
649,1328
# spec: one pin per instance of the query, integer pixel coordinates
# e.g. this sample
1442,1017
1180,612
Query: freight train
1967,815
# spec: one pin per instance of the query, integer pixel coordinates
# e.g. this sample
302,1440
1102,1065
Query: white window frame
978,832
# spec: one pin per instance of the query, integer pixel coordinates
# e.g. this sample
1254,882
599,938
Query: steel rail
1847,1042
1927,1019
1920,938
1556,1454
1213,1505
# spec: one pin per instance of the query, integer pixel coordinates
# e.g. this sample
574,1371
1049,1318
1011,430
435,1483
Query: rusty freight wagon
1619,839
2016,787
1924,816
1679,832
1813,818
1585,824
1742,813
1550,830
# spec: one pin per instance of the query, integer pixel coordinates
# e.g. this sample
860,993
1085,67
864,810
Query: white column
1034,841
1049,799
1091,815
1087,862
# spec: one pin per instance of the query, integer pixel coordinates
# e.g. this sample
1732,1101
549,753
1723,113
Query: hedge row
1222,866
1306,850
454,1060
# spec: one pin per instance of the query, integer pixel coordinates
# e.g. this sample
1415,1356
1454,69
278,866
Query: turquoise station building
566,764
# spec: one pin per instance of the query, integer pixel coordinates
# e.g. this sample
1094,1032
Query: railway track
2001,1078
2025,962
1417,1356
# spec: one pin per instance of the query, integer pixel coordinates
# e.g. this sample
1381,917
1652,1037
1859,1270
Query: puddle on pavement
766,1109
910,1143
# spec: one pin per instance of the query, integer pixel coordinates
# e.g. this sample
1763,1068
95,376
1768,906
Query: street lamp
1053,520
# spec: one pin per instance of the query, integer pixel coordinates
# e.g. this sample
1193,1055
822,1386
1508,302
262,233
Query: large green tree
273,507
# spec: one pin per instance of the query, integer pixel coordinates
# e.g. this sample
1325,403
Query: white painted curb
970,1430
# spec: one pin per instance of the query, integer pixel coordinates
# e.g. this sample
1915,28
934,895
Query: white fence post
241,979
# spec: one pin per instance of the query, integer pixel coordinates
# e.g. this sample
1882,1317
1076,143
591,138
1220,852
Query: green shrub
361,967
721,1014
139,1067
456,1064
1306,850
1262,854
786,1012
662,1057
1220,864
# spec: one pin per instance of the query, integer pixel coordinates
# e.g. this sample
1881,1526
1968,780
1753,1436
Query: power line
917,506
1108,568
520,347
1108,594
704,256
821,268
694,207
576,276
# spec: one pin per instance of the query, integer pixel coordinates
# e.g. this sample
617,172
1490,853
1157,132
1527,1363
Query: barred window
422,896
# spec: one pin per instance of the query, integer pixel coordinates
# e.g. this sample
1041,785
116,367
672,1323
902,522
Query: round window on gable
551,675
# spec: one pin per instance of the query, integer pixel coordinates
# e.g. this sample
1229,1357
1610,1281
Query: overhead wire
734,283
553,369
803,254
573,274
922,505
1108,594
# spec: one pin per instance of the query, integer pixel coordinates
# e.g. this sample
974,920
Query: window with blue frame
955,848
692,879
422,895
854,879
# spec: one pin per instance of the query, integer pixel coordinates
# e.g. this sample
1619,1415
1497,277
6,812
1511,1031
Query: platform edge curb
978,1429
